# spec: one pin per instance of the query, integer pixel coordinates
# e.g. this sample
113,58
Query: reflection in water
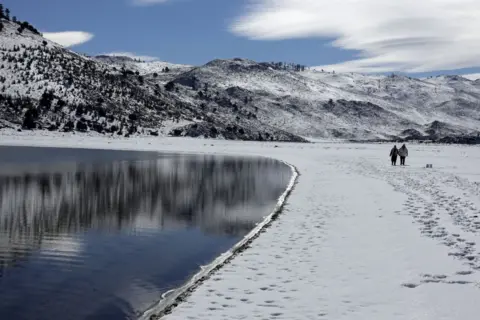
123,232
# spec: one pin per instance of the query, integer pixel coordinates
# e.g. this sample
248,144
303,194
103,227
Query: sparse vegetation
288,66
44,87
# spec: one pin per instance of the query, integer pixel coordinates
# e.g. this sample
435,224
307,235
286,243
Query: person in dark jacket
393,155
403,153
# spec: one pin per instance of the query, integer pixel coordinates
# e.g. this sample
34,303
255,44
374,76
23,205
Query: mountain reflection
223,195
104,238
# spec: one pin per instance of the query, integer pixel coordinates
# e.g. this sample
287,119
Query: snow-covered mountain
163,71
43,85
318,104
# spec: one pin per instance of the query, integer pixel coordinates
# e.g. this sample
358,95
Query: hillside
163,71
45,86
353,106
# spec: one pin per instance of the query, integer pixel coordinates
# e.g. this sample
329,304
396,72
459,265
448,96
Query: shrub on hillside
30,119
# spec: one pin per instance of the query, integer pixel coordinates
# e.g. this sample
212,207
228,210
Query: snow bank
357,239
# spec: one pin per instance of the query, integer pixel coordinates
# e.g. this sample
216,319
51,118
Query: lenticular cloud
400,35
132,56
69,38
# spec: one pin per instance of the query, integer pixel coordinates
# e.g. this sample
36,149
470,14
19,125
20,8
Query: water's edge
172,299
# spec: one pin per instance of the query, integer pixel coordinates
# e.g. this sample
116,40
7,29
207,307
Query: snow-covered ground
357,239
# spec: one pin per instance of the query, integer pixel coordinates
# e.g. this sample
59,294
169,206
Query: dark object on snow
403,153
68,126
30,119
393,155
82,126
177,132
170,86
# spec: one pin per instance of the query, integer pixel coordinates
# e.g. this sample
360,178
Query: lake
100,234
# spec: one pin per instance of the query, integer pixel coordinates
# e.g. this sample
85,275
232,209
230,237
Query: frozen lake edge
354,240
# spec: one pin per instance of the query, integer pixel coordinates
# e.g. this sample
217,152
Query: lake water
97,234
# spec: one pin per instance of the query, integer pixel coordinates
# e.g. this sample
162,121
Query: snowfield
357,238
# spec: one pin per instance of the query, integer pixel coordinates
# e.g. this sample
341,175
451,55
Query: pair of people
402,153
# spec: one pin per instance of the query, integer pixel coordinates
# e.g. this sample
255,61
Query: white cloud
472,76
391,35
131,55
147,2
68,38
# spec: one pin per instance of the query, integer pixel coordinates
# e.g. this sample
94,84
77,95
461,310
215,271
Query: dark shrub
69,126
213,132
30,119
81,126
98,127
170,86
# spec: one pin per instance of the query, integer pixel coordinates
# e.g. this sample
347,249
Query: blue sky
182,31
301,31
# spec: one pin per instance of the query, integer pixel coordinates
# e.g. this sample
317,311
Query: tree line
22,25
288,66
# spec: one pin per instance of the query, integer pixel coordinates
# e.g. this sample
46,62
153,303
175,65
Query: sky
414,37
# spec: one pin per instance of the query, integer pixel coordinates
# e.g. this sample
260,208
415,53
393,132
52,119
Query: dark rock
82,126
178,132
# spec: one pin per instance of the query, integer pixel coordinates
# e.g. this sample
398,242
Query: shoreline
357,238
171,299
177,296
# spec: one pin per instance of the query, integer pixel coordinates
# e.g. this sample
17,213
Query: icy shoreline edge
177,296
171,299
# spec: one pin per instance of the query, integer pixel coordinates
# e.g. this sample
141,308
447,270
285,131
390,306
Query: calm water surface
96,234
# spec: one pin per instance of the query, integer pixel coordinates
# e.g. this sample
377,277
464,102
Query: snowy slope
318,104
145,68
43,85
74,88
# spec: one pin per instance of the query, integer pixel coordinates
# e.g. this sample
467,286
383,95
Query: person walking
403,153
393,155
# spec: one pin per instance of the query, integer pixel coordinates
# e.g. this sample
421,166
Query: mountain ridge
45,86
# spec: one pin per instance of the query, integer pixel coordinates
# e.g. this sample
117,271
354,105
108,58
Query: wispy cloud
131,55
400,35
147,2
69,38
472,76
